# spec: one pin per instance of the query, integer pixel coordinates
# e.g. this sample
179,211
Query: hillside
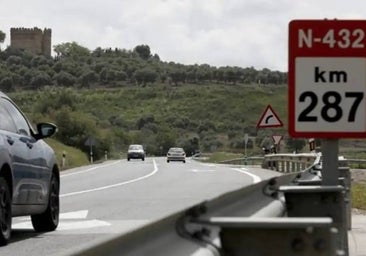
197,117
115,97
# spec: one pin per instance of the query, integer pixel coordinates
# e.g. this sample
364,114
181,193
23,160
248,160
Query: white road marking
67,215
113,185
89,169
208,164
206,170
256,179
74,215
68,225
68,221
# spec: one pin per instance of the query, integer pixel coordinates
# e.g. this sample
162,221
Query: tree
64,79
6,84
178,75
14,60
145,75
72,50
40,60
143,51
40,79
87,78
74,127
295,145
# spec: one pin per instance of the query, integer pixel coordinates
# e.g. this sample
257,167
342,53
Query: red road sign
269,119
327,78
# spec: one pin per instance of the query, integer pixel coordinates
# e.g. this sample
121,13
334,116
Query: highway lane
103,200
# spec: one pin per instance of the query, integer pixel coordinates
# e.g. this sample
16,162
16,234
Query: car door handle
10,140
27,142
29,145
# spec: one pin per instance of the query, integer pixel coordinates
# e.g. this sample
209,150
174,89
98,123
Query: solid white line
90,169
66,225
114,185
255,178
206,170
74,215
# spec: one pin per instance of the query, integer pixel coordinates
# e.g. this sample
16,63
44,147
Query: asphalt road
101,201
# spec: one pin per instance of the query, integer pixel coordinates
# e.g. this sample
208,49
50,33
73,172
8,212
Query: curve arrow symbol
268,117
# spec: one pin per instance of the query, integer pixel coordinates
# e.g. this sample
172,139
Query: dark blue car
29,174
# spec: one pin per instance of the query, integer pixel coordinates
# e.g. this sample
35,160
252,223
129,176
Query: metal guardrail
180,233
290,162
292,214
356,163
278,162
251,160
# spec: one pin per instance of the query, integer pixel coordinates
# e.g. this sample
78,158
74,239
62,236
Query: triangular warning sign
269,119
276,139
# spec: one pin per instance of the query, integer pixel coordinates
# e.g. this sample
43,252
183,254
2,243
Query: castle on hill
33,40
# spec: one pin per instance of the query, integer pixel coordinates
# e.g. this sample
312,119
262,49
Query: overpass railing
292,214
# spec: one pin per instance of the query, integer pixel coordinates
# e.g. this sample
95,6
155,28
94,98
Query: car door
30,177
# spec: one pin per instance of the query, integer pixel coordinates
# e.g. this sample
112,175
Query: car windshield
135,147
176,150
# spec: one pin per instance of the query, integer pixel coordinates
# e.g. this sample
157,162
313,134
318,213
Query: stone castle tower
31,39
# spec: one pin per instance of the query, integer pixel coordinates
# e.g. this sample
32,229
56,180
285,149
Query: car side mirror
45,130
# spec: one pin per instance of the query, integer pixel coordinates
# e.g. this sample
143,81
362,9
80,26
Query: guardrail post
299,166
345,177
274,236
319,201
330,162
288,164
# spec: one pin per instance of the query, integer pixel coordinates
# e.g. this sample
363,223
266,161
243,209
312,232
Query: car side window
6,122
21,123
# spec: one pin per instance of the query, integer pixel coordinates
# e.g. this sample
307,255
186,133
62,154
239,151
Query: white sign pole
245,143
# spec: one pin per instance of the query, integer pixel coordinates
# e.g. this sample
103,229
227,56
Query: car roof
176,148
135,145
3,95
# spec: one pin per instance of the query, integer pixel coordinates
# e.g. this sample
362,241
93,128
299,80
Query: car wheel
128,159
5,212
167,161
184,161
143,159
48,221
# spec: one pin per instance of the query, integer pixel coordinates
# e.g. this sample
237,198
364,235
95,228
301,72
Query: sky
244,33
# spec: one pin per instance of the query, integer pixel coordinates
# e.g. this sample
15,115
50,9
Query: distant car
176,154
136,151
29,174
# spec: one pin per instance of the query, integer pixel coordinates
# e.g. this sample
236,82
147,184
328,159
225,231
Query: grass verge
359,196
74,157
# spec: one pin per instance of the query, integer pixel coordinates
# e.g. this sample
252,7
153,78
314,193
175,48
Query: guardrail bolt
206,232
320,245
200,234
298,245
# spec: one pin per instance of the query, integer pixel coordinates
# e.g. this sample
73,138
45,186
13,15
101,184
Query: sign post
90,142
246,138
327,82
327,85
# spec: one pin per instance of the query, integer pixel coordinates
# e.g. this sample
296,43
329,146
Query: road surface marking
114,185
67,215
68,221
74,215
89,169
256,179
206,170
210,165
